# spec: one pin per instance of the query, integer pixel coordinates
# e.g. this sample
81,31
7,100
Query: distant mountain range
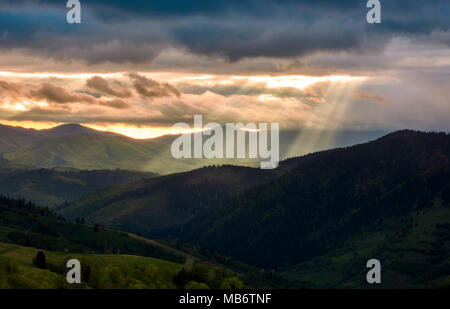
322,213
83,148
14,138
76,146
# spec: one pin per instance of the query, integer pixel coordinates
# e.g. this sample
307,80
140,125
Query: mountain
84,148
329,197
12,138
328,211
55,186
89,151
76,146
70,129
150,205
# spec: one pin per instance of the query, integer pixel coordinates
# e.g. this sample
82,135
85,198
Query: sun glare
299,81
137,132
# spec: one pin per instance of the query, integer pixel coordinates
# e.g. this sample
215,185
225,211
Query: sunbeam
328,119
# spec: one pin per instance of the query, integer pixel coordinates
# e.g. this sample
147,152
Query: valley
312,222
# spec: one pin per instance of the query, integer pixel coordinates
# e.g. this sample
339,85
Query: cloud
249,90
363,95
149,88
311,94
12,88
101,85
66,103
415,89
114,31
33,94
406,59
130,89
115,103
59,95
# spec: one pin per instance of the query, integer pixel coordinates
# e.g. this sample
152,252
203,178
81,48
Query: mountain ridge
76,146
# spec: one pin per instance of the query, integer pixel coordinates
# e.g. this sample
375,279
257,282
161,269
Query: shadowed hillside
309,208
56,186
330,197
151,205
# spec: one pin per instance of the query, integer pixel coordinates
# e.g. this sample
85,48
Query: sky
138,67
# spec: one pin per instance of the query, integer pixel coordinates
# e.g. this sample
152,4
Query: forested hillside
151,206
330,197
309,208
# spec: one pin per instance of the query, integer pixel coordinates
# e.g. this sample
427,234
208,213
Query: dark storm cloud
240,40
137,31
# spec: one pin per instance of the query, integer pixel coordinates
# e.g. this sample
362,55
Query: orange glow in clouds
78,81
37,125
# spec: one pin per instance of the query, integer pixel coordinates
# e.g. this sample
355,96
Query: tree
40,261
232,283
194,285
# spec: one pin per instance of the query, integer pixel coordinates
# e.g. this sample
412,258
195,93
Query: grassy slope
23,225
24,256
43,278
